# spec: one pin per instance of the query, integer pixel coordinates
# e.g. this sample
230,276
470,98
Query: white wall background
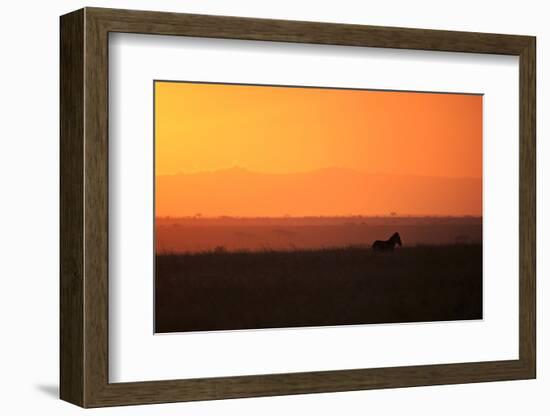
29,210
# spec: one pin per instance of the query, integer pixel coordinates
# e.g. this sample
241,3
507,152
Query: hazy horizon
327,192
201,234
270,201
251,150
313,217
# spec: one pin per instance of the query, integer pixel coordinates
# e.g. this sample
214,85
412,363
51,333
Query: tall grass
353,285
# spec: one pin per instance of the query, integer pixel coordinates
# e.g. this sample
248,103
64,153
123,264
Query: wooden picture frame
84,207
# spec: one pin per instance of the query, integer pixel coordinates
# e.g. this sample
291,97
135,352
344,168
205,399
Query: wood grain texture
96,217
162,23
527,208
304,383
72,215
84,207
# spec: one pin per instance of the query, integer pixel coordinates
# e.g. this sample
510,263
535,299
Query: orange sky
282,130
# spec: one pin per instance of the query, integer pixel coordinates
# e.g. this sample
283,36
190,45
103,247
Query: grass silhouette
223,290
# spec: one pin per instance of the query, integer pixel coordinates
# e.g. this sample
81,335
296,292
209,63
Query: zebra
387,245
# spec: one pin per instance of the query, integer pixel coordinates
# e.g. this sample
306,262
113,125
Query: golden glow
284,130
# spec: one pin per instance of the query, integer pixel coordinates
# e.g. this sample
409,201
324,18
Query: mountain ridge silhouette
328,191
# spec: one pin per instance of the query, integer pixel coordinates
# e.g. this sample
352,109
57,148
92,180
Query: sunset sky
204,128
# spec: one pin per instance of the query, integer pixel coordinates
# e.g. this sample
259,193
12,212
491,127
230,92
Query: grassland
220,290
195,235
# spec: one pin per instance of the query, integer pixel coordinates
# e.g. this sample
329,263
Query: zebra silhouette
388,245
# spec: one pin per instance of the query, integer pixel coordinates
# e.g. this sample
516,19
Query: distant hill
323,192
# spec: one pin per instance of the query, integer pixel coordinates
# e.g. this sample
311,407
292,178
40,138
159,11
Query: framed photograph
254,207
